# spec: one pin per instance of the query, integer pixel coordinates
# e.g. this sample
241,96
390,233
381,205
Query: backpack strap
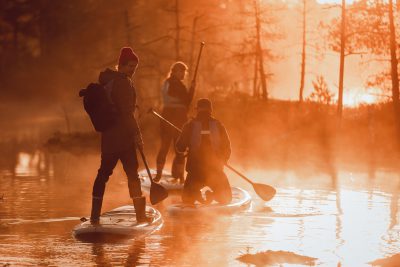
108,88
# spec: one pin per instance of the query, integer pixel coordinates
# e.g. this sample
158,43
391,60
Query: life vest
170,101
213,132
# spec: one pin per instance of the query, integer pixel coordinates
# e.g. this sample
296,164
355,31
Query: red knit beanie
127,55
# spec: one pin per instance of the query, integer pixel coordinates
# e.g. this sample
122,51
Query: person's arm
183,141
124,101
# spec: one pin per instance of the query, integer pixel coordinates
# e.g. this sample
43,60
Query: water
352,219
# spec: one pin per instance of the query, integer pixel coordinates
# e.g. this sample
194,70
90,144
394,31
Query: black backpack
98,105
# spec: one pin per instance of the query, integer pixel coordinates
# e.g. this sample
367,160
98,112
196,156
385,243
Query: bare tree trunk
260,52
177,30
263,80
394,62
341,70
255,84
303,55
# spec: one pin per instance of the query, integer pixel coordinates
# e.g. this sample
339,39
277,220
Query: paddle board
241,200
167,181
120,221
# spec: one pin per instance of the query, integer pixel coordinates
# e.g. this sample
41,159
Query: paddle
198,61
157,192
265,192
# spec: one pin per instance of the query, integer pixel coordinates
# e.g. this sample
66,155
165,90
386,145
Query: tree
259,58
258,24
321,93
342,51
17,28
303,54
338,35
394,63
373,29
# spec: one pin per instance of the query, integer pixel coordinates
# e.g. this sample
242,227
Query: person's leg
178,164
130,165
108,162
221,189
166,139
191,189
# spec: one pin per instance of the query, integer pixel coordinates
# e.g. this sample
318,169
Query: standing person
120,141
176,101
209,149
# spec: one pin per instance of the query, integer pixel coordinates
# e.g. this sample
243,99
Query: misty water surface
353,219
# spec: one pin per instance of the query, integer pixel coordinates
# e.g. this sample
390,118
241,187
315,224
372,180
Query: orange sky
284,83
333,1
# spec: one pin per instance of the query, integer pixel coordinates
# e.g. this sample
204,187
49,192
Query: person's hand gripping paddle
265,192
157,192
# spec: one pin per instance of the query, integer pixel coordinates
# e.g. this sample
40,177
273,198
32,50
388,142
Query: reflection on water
351,219
36,164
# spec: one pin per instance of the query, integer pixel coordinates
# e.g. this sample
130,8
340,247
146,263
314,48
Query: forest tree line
50,48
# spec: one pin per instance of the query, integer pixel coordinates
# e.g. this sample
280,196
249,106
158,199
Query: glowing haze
334,1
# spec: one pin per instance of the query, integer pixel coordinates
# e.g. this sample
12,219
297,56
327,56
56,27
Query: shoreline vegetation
265,134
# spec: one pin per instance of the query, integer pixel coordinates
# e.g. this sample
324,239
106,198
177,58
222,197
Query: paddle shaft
145,164
198,61
164,120
179,130
238,173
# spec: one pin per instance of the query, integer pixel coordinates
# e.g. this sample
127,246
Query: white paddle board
241,200
167,181
120,221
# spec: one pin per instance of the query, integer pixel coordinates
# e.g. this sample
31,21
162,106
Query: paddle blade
157,193
265,192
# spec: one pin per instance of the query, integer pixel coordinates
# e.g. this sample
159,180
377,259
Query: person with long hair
176,100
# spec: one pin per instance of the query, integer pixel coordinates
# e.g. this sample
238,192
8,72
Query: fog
331,164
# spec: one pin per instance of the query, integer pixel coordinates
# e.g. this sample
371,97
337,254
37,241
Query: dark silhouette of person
209,149
176,101
120,141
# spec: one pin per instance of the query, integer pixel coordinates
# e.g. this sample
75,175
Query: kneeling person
209,149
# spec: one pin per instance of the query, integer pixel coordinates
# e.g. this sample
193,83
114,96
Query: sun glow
356,97
334,1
